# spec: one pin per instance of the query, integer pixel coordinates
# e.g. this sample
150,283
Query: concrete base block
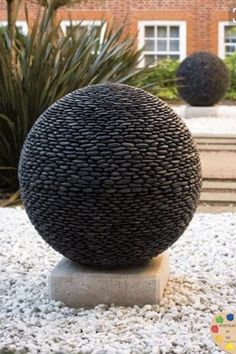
79,286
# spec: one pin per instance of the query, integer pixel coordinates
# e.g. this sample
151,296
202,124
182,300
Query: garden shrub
231,64
160,80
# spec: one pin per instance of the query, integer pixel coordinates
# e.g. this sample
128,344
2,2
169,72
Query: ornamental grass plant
41,67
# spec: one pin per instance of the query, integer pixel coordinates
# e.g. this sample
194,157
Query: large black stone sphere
110,176
203,79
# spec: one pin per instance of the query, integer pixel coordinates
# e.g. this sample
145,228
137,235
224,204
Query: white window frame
221,37
22,24
88,23
182,36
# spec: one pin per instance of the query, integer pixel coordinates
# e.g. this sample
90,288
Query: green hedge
161,79
231,64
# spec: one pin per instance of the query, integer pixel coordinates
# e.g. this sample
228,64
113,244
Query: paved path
218,158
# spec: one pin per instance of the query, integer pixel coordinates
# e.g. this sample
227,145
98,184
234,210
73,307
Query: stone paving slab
218,197
219,185
218,164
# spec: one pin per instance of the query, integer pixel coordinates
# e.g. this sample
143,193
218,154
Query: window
162,40
21,25
227,39
65,25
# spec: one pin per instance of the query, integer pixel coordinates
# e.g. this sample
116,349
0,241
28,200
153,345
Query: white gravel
210,125
218,120
202,282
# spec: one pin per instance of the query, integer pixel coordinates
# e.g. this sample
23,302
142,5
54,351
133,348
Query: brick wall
202,16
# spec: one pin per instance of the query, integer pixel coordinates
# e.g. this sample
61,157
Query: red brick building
167,28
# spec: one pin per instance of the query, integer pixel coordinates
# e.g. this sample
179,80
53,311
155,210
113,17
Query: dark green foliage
231,64
159,80
203,79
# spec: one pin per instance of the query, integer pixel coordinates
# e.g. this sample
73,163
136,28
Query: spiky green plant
47,65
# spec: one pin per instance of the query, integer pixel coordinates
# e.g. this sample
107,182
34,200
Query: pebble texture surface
203,79
202,282
110,176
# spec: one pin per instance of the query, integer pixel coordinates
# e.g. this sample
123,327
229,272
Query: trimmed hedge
231,64
161,79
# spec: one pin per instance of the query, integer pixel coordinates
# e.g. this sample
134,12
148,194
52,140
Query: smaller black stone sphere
203,79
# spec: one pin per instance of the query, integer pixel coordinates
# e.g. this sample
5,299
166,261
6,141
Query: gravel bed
219,119
211,125
202,282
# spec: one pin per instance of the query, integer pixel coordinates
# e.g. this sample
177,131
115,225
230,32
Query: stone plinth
80,286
